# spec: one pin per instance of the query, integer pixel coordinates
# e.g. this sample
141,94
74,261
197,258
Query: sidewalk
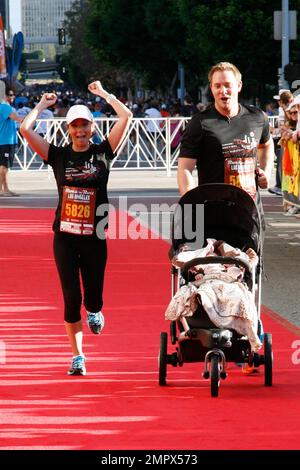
25,182
43,182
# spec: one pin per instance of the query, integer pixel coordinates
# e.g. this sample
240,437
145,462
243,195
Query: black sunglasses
11,94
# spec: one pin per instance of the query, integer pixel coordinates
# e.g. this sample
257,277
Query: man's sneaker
95,322
246,369
293,210
77,366
276,191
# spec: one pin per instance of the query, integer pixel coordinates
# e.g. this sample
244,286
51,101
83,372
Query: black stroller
230,214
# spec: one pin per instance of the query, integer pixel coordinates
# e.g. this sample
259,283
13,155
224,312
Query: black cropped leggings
77,255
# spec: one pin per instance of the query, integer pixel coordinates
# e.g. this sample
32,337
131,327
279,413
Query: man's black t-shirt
88,169
210,138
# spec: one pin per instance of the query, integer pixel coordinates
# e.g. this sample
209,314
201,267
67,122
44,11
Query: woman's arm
119,130
36,142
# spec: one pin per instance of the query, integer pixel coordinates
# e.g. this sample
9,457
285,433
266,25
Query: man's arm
265,153
15,117
185,177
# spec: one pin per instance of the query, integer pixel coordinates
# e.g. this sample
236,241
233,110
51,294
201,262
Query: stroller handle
217,260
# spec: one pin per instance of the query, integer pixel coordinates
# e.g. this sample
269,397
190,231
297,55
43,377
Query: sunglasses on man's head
11,94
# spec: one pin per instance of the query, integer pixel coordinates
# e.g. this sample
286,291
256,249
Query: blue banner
14,55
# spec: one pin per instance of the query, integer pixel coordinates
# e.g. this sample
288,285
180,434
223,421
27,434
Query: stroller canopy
220,211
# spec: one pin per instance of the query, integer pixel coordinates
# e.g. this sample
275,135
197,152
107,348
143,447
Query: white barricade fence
151,143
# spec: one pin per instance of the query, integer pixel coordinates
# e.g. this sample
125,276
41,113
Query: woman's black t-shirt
89,169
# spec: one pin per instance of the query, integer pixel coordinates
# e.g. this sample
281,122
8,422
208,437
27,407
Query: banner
18,46
13,56
3,71
291,173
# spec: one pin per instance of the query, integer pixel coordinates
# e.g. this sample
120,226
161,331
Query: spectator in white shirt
42,125
153,112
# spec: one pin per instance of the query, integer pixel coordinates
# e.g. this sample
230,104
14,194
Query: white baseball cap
79,111
277,97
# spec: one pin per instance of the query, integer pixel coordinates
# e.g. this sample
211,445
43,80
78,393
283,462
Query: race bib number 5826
78,210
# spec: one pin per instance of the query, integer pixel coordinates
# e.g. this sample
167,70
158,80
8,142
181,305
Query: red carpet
119,404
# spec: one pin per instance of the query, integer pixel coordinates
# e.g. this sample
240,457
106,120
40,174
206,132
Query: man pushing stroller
229,142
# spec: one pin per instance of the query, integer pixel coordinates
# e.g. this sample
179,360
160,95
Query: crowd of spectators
171,107
153,107
286,135
26,100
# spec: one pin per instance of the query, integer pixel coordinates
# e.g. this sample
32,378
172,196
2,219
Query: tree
80,63
237,31
150,37
147,39
137,35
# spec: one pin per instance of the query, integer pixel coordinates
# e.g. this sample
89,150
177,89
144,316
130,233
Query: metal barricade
150,144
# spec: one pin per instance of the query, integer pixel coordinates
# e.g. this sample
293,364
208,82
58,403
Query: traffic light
61,36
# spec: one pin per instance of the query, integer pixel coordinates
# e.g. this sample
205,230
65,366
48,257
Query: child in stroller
202,326
219,288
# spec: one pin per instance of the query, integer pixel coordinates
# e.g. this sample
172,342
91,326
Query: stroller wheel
214,375
268,359
162,359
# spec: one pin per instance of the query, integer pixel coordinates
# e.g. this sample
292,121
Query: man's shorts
7,154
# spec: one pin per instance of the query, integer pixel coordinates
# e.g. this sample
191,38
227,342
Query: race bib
240,172
78,210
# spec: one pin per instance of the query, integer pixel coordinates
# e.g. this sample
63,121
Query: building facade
41,19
